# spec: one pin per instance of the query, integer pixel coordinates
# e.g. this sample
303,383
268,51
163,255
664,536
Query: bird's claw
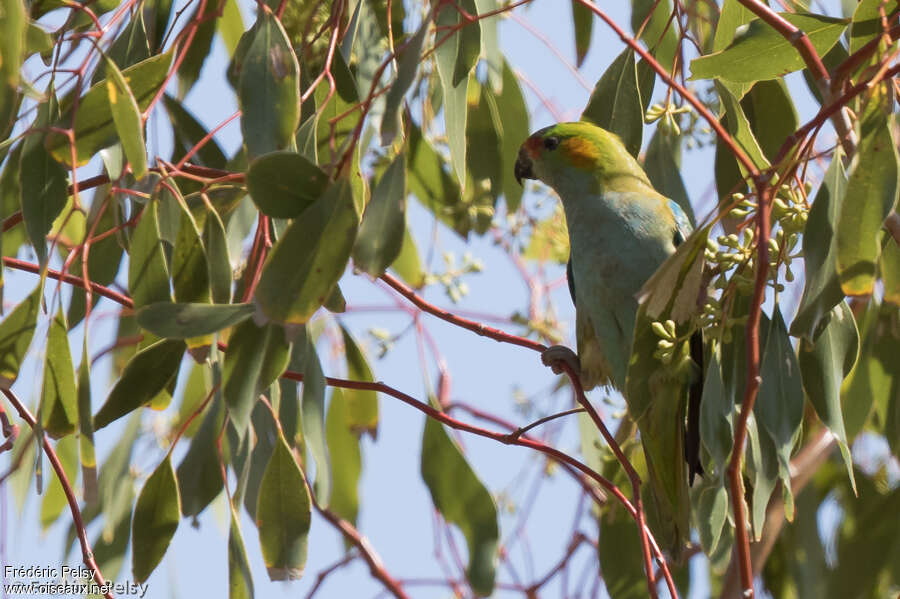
556,356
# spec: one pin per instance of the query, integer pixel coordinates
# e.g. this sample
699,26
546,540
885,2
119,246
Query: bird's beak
523,168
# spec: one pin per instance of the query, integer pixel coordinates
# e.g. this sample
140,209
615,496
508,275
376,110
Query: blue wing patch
683,225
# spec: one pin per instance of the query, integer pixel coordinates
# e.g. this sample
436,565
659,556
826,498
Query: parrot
620,231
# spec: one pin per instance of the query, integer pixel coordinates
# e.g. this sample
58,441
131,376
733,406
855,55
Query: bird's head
577,155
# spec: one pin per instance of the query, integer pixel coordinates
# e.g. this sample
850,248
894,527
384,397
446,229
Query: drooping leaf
615,103
54,500
464,501
284,184
871,194
59,397
407,67
148,276
126,118
739,127
94,126
146,374
761,52
618,540
407,264
675,286
512,116
243,364
454,89
716,410
44,193
190,269
583,20
16,332
384,221
181,321
662,164
468,42
771,114
312,409
362,405
199,476
240,578
432,185
12,46
890,271
658,34
268,86
346,460
188,132
283,514
824,364
779,404
156,516
310,257
866,24
822,290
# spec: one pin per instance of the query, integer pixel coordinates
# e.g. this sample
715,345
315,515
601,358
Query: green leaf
146,374
284,184
181,321
16,332
384,221
890,270
619,542
822,290
94,126
276,357
873,384
231,25
739,128
779,405
407,67
310,257
240,578
583,20
148,276
763,469
12,42
59,397
454,92
662,163
215,241
44,193
283,515
771,113
155,521
127,119
54,501
483,160
615,103
188,132
129,48
407,264
463,500
432,185
659,35
115,487
512,117
716,409
86,427
201,45
199,476
346,461
866,23
362,405
190,270
824,364
468,40
490,43
760,52
268,87
711,505
871,195
243,364
312,409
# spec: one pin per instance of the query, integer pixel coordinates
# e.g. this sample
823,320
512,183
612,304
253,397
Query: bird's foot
556,356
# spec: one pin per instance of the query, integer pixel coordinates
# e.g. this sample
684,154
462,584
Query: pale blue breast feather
682,222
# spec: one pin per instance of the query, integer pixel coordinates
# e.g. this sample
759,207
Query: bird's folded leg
556,355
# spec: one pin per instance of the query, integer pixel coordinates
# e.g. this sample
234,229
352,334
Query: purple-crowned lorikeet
620,231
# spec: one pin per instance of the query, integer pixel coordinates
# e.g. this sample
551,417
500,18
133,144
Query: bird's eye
551,143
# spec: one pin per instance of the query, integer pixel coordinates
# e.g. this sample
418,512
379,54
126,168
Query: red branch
87,553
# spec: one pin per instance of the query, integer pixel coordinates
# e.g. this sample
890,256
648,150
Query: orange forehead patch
580,152
533,146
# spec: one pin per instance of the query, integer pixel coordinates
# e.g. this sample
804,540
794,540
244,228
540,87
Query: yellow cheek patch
580,152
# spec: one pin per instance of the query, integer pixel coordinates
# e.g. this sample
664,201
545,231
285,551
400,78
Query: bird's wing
683,225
